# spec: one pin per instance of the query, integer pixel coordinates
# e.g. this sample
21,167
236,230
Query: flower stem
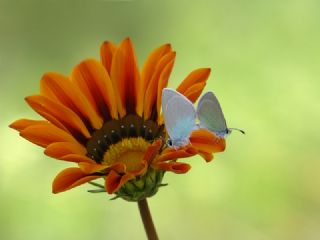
147,220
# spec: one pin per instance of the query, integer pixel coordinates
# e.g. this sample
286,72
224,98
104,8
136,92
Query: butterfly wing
210,114
179,116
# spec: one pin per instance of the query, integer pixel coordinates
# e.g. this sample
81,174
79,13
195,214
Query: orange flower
106,118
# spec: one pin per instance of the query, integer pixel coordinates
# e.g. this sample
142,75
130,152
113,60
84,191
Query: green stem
147,220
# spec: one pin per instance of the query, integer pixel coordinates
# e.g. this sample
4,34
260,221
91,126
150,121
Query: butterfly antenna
243,132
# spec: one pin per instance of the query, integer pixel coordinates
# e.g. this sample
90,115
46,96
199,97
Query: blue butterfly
211,116
180,117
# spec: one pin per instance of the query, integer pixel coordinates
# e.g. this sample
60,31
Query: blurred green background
265,59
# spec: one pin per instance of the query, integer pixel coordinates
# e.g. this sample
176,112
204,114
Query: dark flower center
113,131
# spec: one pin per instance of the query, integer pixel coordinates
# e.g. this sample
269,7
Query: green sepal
96,190
142,187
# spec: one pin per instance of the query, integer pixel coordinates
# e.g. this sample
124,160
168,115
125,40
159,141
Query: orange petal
196,76
203,133
125,77
70,178
51,110
22,124
95,83
142,169
60,88
147,72
107,51
53,120
194,91
209,147
175,167
60,149
207,142
77,158
152,151
172,154
206,156
119,167
163,82
90,168
150,99
114,181
43,135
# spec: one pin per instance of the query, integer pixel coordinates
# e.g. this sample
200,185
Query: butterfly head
227,132
177,143
169,143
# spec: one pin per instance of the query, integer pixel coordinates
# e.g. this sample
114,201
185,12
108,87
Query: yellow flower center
129,151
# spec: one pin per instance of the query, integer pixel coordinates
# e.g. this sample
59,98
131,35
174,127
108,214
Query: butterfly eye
169,143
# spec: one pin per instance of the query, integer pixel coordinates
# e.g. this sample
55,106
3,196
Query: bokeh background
265,57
